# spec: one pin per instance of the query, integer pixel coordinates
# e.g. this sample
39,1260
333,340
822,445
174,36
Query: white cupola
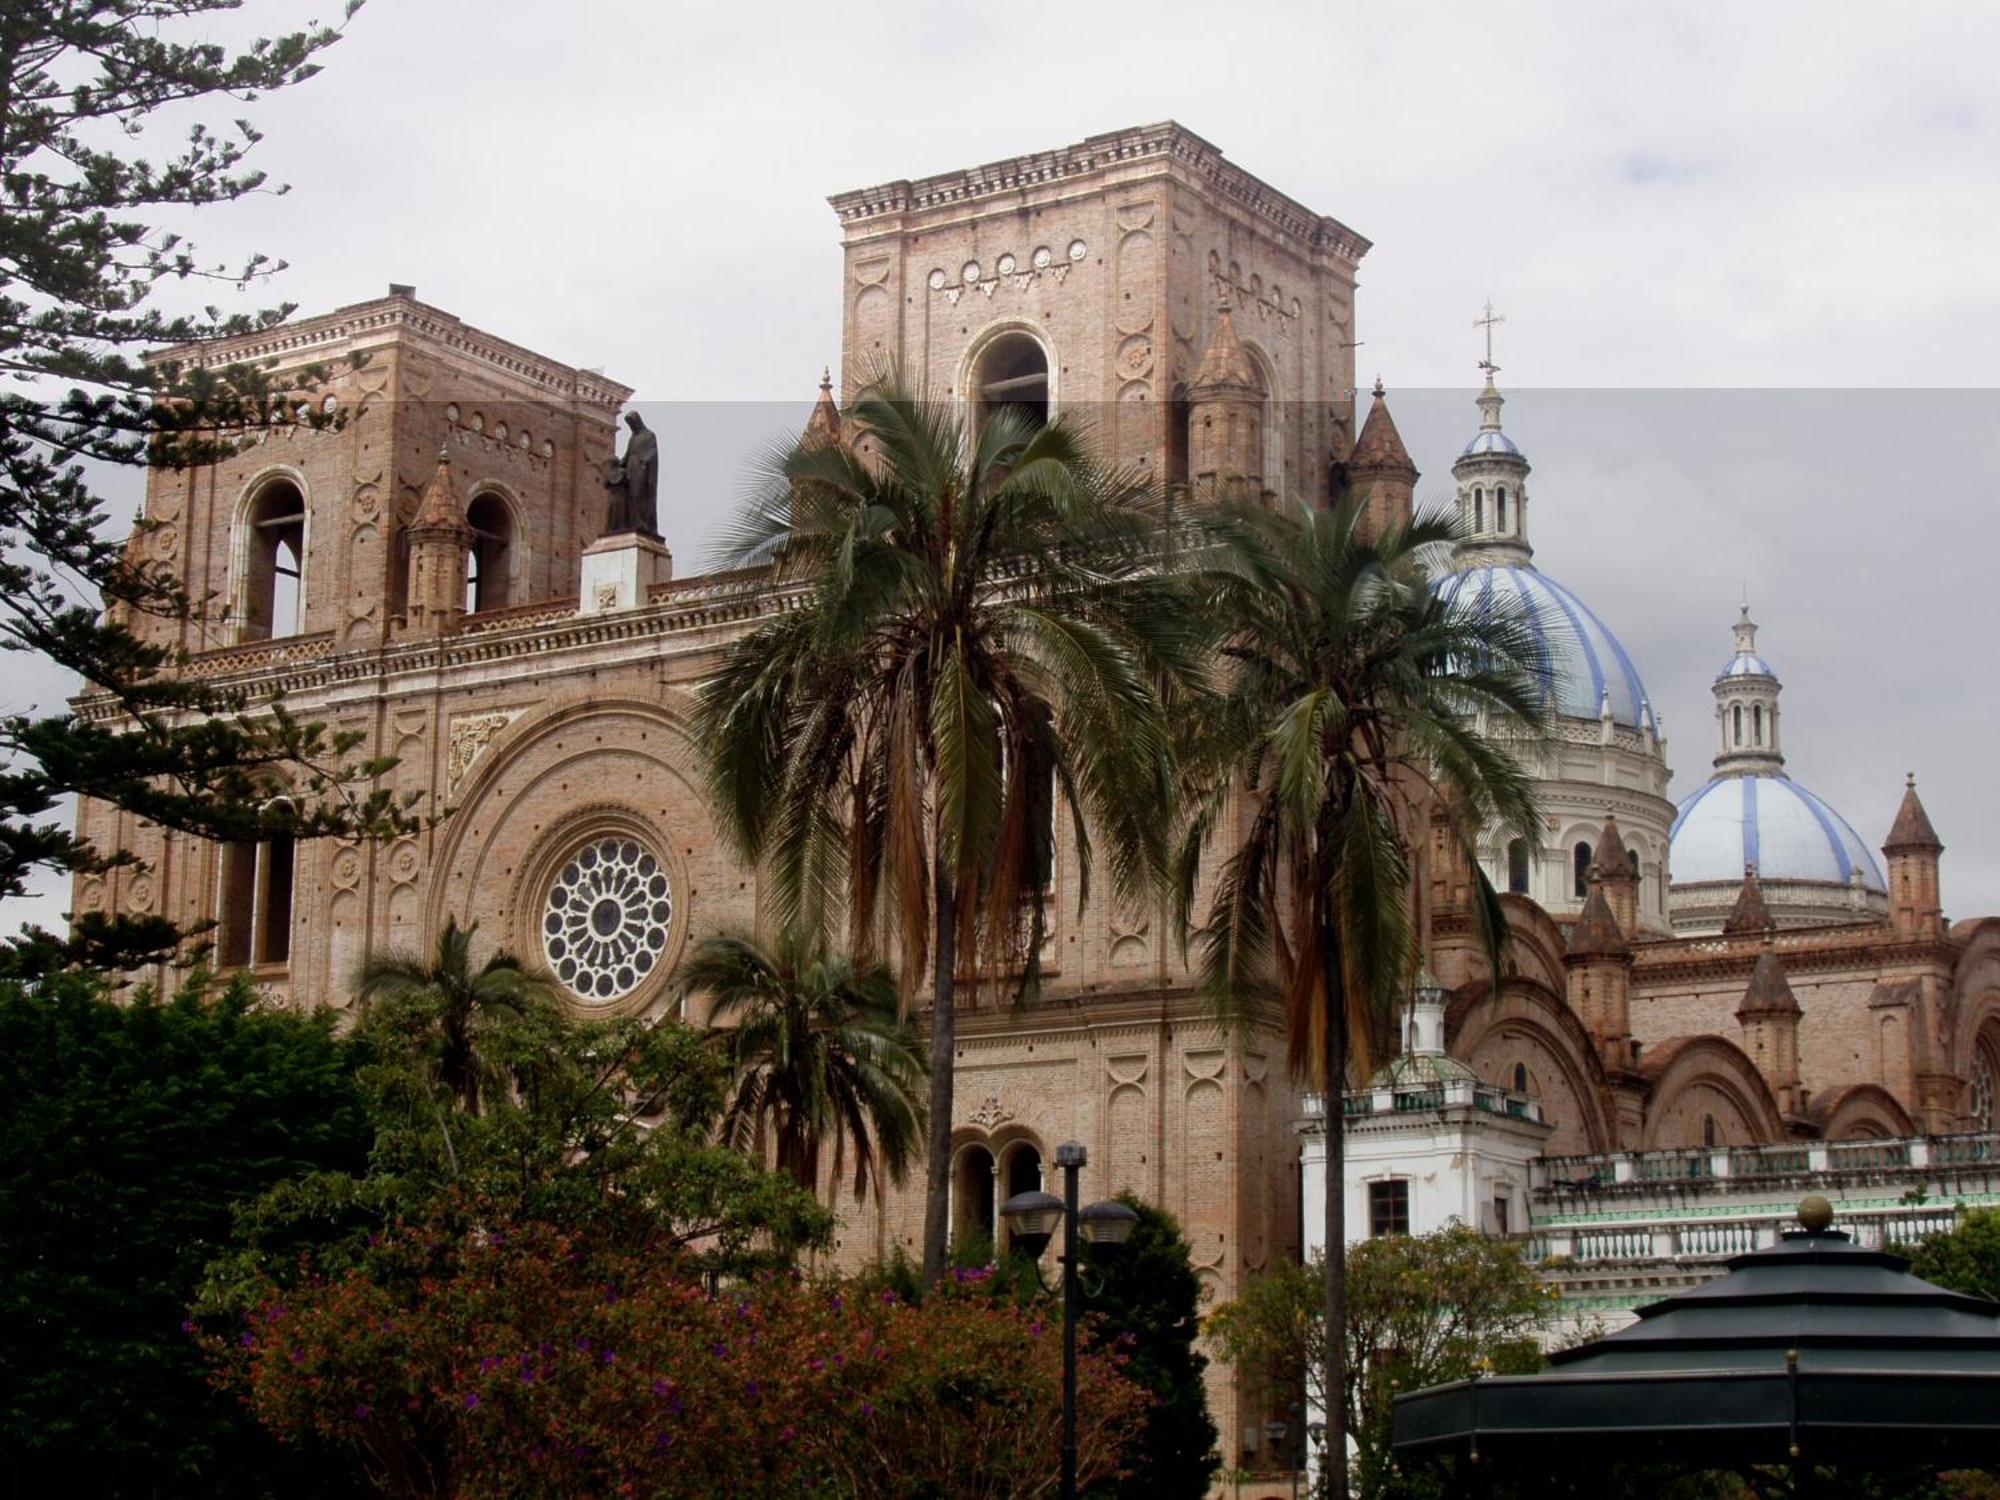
1746,708
1492,488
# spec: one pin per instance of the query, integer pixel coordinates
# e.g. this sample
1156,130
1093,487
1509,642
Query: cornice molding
1170,145
328,335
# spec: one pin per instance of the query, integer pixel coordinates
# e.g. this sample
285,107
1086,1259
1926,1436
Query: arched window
1520,1078
272,596
1478,510
1024,1171
1708,1131
1580,860
1517,866
254,903
1757,724
1177,437
489,561
1013,370
1500,508
972,1181
1736,722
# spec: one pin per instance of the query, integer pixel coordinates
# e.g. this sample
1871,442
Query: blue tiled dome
1747,664
1589,662
1490,442
1769,821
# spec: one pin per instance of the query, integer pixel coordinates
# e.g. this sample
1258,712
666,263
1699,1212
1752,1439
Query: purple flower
298,1356
611,1356
583,1346
248,1340
662,1441
662,1386
788,1434
187,1325
527,1375
818,1365
889,1296
1035,1330
720,1351
472,1400
486,1365
750,1390
867,1409
361,1410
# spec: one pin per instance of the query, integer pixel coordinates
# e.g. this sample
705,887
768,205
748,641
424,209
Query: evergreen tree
85,263
129,1135
1150,1307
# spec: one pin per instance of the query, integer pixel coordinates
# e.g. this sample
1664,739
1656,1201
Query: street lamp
1031,1219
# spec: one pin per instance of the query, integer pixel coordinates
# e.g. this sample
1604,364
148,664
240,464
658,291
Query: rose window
1980,1098
609,910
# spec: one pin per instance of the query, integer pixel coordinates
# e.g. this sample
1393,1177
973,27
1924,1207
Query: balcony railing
1430,1095
1719,1238
1920,1158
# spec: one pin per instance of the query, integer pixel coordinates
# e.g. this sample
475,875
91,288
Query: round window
605,924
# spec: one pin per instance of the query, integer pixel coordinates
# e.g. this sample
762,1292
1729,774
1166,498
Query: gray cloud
1740,248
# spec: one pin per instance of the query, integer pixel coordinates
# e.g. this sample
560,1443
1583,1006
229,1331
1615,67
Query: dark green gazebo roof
1815,1347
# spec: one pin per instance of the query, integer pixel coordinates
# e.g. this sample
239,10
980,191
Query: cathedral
437,575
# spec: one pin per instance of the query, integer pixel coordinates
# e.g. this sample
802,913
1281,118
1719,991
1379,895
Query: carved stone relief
991,1112
470,735
1009,270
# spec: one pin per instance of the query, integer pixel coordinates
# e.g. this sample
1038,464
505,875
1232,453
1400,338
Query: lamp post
1031,1219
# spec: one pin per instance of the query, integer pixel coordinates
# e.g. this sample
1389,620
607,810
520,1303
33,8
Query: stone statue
632,484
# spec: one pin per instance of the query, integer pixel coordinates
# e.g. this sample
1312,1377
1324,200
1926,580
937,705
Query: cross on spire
1487,323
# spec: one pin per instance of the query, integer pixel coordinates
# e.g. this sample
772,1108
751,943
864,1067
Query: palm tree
977,647
818,1052
1351,714
453,1008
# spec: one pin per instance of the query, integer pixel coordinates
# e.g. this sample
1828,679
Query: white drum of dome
605,925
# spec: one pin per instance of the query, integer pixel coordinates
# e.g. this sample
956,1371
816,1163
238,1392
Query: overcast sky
1746,254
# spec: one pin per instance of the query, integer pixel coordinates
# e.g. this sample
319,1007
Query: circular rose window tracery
1980,1095
609,911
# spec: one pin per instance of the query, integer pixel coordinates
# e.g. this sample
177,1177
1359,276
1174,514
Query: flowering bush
509,1360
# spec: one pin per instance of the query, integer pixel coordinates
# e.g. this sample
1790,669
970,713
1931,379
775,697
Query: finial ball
1815,1213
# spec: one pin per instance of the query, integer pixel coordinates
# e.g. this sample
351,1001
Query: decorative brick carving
470,735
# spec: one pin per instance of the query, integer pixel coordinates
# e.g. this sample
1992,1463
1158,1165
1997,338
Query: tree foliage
977,652
601,1130
1421,1310
1965,1258
129,1133
1359,706
85,254
819,1055
510,1359
1149,1307
450,1010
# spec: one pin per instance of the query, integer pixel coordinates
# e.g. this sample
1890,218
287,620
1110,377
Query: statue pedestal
618,571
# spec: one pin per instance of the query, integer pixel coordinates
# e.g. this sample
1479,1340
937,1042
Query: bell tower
1090,281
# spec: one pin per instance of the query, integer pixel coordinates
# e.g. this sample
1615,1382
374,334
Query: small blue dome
1747,664
1590,665
1490,442
1769,821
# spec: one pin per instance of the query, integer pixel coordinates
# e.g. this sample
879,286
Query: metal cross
1487,323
